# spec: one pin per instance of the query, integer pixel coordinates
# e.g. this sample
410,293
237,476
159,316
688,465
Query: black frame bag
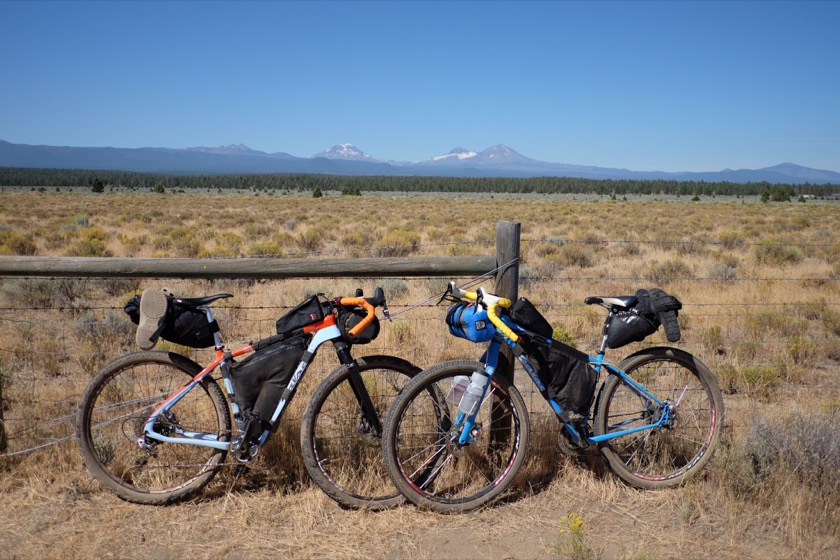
307,312
527,316
566,373
260,379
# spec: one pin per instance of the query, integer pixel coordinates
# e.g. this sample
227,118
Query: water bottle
459,384
473,392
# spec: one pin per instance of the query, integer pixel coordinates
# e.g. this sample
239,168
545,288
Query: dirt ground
69,516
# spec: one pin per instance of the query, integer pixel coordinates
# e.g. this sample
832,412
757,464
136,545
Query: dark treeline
108,180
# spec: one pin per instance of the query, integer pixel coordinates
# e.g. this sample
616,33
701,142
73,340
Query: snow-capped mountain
347,152
232,149
346,159
456,154
494,155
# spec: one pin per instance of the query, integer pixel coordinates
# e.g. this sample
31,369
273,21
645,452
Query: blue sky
670,86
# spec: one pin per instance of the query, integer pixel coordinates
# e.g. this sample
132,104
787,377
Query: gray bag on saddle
260,379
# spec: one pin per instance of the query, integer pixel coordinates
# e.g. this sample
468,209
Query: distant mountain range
346,159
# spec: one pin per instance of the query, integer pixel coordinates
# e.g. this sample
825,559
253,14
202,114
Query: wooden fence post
507,279
507,285
507,253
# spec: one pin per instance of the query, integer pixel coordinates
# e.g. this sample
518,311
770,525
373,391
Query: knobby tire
420,447
340,449
663,457
111,418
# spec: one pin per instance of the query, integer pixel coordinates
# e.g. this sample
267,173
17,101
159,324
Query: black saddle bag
182,324
653,309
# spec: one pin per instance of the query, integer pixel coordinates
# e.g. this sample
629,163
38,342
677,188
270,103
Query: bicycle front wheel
421,450
340,448
111,419
662,457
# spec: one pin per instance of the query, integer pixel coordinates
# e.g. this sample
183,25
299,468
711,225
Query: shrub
398,244
310,240
400,334
228,241
665,272
265,248
91,243
801,349
712,337
773,253
804,447
355,239
254,230
574,543
723,273
573,256
394,287
133,245
14,243
528,275
45,292
184,241
731,239
80,221
759,382
561,334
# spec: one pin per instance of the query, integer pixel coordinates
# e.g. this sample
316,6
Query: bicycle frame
490,359
323,331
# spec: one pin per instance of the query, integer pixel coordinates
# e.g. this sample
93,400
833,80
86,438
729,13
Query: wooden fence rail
507,251
273,268
504,266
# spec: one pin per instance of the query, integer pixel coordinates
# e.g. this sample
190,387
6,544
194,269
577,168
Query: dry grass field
760,284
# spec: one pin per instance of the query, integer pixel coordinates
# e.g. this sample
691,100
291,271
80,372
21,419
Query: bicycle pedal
247,452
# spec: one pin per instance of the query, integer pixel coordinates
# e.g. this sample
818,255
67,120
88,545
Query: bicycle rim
421,451
661,457
111,421
340,449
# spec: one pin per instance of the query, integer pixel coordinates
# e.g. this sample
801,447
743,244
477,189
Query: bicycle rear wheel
340,449
112,415
663,457
420,447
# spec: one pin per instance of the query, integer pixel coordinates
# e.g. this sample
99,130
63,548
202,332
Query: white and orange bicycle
155,427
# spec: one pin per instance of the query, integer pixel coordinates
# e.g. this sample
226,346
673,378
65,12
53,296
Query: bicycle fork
369,422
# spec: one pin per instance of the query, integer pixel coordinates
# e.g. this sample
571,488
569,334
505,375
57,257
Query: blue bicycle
457,434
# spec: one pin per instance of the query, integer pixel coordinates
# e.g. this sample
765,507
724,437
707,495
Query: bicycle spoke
664,455
422,451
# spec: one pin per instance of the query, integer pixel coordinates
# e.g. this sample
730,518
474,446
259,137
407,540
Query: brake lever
446,292
479,300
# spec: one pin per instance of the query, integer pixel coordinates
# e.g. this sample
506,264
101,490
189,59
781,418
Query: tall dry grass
759,283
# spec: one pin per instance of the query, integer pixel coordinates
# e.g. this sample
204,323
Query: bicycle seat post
611,313
217,338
